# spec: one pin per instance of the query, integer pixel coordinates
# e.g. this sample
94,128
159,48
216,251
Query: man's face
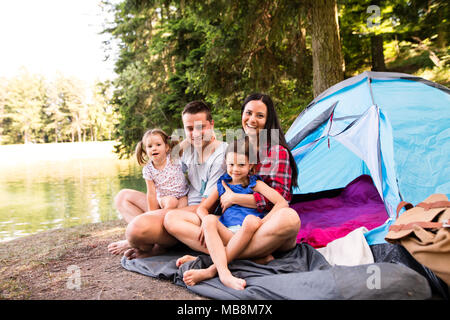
198,129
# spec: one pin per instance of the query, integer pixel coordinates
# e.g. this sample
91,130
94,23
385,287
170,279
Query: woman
277,168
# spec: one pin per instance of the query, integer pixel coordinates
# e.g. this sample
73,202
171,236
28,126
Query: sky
51,36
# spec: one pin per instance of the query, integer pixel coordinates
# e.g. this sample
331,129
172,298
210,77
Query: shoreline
74,264
61,151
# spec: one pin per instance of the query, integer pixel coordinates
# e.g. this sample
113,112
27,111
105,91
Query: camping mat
302,273
326,219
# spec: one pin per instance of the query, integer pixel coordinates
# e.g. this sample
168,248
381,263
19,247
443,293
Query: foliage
401,23
33,109
173,52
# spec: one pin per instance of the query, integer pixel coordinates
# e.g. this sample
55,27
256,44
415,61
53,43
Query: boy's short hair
242,146
195,107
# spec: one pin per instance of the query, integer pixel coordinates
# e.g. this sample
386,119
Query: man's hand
226,199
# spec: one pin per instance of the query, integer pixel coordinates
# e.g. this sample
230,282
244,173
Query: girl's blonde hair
141,155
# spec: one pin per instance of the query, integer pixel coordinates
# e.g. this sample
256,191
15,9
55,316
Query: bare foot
118,247
232,282
194,276
134,253
264,260
184,259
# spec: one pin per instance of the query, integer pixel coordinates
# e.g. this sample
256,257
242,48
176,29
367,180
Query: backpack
424,230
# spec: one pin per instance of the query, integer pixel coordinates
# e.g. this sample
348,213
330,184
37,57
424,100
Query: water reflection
45,194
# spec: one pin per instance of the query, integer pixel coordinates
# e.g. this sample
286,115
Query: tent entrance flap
355,151
362,138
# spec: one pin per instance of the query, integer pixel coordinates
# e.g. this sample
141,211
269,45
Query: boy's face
198,129
238,166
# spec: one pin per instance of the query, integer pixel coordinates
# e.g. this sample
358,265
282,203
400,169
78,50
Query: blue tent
392,126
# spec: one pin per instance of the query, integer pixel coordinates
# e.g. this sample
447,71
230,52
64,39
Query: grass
20,258
13,289
36,267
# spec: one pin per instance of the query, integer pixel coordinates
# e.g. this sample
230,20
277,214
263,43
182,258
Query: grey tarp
302,273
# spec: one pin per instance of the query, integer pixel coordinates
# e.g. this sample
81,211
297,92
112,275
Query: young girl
228,236
166,184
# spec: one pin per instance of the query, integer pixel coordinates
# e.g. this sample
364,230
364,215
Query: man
203,159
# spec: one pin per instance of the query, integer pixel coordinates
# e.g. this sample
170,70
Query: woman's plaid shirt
276,172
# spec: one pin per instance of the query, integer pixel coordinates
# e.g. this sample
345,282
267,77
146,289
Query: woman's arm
277,173
152,202
229,198
272,195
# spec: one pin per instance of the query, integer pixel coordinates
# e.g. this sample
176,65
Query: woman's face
254,117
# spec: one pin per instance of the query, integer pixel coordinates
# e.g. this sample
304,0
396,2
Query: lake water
51,186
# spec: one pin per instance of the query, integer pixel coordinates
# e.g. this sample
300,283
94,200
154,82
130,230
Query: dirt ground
46,266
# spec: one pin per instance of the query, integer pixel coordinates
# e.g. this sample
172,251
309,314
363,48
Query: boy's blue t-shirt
236,214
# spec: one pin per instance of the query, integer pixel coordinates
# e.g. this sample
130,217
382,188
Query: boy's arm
152,202
272,195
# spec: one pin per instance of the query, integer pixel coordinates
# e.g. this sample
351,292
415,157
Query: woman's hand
227,198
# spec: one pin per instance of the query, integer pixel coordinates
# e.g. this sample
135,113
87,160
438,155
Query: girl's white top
170,181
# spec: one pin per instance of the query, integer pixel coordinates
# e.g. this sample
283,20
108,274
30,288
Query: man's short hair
195,107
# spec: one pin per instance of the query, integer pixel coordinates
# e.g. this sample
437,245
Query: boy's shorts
235,228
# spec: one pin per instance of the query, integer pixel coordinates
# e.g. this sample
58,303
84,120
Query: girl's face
254,117
238,166
155,148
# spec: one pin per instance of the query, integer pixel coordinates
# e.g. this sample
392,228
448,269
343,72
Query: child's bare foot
118,247
233,282
264,260
194,276
184,259
134,253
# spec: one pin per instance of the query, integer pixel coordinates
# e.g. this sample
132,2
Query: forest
34,109
219,51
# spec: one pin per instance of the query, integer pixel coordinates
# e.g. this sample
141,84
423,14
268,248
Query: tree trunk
376,47
328,63
300,52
